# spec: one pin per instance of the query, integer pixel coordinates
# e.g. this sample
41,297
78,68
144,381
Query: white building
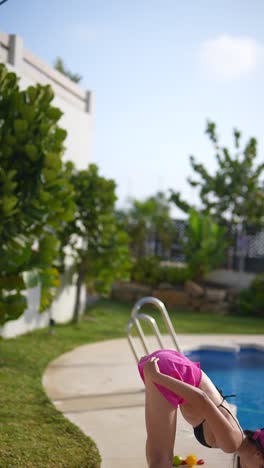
76,104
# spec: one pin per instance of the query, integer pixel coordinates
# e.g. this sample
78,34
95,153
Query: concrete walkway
98,388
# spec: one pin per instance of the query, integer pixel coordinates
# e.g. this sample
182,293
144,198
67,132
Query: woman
172,380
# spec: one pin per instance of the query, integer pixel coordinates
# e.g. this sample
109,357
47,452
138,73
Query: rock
207,307
225,311
221,308
215,295
165,286
230,278
171,297
193,289
195,304
232,294
129,292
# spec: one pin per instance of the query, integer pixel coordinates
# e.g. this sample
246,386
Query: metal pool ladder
136,316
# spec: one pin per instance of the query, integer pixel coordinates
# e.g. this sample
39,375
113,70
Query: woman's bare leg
161,428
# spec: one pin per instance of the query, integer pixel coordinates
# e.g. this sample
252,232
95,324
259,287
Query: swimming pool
237,371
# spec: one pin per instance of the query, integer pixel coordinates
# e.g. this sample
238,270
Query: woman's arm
227,437
192,394
228,434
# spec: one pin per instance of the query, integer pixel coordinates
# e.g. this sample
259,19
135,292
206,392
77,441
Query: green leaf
11,282
45,196
52,161
12,307
48,93
10,140
8,205
20,126
31,151
55,113
32,93
50,281
60,135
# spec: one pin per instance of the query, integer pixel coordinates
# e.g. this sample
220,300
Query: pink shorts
175,365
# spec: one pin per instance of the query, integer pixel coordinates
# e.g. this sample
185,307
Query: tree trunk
76,312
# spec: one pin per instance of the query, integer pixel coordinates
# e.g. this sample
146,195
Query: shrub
251,301
175,275
148,270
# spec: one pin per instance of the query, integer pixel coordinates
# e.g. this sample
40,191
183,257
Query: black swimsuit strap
224,396
221,404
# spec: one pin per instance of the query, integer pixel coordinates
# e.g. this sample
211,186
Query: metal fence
246,252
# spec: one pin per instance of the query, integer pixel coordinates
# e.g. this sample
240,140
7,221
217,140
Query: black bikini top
199,430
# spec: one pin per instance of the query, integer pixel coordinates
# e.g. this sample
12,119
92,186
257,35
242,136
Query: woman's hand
151,368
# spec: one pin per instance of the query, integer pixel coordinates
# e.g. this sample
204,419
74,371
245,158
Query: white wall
77,120
61,311
76,103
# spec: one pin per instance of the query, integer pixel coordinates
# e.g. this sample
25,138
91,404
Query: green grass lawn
32,432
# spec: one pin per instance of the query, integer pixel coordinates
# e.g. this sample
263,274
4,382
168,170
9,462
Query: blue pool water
237,372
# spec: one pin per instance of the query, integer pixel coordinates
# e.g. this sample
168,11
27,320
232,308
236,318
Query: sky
159,69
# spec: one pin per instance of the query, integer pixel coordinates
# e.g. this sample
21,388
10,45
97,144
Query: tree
204,244
35,193
148,223
60,67
235,192
98,246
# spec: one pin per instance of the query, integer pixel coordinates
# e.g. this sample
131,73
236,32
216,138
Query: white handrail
136,316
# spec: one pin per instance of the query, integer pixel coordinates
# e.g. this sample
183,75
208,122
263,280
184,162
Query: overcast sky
159,69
